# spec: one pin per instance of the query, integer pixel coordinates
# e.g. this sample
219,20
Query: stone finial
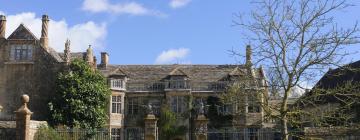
44,32
67,54
248,55
2,26
25,99
24,109
23,115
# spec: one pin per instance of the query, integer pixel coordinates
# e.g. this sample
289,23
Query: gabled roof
118,72
22,32
177,72
237,72
347,73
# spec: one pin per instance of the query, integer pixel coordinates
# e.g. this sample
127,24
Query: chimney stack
95,62
104,59
44,41
248,56
2,26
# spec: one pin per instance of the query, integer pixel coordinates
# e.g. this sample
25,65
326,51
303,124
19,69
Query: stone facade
26,67
29,66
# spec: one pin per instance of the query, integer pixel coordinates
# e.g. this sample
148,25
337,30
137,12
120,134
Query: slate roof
347,73
332,79
208,73
55,55
22,32
74,55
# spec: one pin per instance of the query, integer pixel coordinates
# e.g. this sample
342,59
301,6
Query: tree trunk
283,112
284,130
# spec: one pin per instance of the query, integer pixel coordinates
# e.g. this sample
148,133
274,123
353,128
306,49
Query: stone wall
332,133
8,129
35,78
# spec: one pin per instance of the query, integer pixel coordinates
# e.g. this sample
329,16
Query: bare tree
298,40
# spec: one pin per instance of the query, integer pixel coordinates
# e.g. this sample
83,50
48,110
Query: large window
226,109
21,52
133,106
252,108
118,84
178,104
115,134
116,104
134,134
253,133
254,103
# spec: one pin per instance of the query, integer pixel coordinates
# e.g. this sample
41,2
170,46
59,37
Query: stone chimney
89,56
2,26
248,56
67,54
104,59
95,62
44,41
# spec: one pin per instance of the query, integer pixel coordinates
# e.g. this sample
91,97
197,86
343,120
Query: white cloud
81,35
173,56
178,3
2,13
131,8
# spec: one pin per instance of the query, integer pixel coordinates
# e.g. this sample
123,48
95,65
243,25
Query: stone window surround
116,104
178,104
116,133
118,83
133,105
134,133
21,52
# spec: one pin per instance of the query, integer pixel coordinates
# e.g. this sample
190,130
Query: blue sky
145,31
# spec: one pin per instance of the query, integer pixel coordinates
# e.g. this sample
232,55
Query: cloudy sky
143,31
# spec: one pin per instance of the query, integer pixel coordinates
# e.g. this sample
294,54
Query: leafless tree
298,40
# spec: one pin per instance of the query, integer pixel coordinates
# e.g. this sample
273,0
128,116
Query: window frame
134,134
115,133
253,133
117,84
22,52
116,105
132,106
254,109
179,106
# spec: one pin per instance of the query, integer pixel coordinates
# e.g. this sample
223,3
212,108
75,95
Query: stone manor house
28,65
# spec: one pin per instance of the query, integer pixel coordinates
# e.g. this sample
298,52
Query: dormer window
21,52
117,84
177,79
